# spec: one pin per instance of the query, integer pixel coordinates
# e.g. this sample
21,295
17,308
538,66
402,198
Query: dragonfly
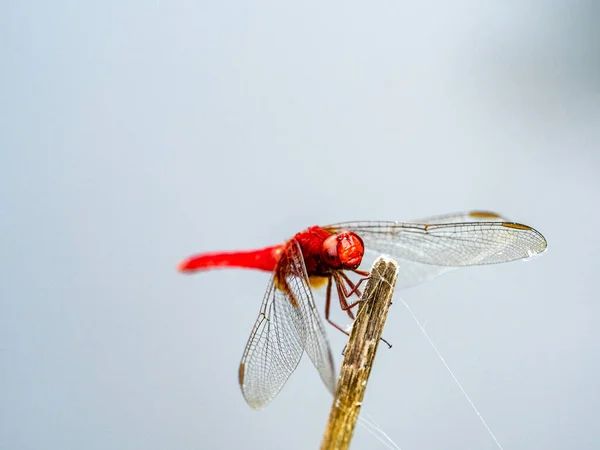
288,323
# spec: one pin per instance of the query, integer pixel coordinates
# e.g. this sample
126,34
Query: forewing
287,324
308,319
412,273
425,250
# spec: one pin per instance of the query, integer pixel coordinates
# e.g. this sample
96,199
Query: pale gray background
134,134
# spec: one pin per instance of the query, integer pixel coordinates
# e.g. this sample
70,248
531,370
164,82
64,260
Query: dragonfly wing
412,273
425,250
464,216
308,319
287,325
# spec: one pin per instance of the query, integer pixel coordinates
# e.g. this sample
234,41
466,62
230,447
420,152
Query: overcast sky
136,133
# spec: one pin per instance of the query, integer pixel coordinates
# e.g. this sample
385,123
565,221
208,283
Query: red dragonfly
288,323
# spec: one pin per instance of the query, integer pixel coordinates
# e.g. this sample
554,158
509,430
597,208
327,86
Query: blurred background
135,134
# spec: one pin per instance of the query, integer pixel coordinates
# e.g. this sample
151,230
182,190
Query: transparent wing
412,273
425,250
288,324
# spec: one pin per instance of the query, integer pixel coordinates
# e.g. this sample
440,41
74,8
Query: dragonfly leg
354,287
365,276
327,308
344,294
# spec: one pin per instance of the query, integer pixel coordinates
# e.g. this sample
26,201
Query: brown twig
360,354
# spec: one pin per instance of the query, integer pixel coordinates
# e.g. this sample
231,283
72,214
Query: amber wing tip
518,226
484,215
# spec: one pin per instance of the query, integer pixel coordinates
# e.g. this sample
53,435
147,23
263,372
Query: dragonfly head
343,250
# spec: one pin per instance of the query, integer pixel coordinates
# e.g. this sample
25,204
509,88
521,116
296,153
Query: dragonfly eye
350,249
329,252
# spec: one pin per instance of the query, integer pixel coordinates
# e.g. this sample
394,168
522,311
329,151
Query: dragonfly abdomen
263,259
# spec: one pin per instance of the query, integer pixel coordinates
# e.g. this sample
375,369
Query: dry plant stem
360,354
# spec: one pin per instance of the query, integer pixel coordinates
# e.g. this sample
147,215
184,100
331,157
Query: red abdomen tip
198,262
185,266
